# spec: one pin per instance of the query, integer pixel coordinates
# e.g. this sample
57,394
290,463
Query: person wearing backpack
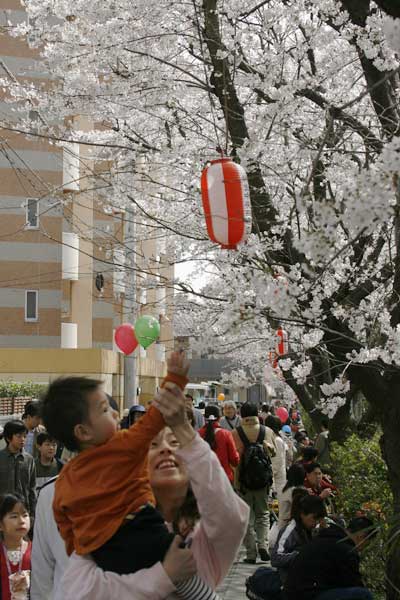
253,478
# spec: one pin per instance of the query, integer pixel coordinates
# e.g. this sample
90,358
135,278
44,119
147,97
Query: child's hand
177,363
171,403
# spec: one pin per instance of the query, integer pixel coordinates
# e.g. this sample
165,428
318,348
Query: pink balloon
125,338
282,413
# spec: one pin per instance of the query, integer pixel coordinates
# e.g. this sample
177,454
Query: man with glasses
47,464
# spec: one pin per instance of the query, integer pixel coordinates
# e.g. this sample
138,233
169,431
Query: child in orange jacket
103,502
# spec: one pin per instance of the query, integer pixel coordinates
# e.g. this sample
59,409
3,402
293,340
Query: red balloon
282,413
125,338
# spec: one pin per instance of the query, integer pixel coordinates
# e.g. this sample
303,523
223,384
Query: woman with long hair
220,441
294,484
307,511
294,479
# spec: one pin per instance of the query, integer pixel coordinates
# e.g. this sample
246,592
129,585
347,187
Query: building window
32,213
31,305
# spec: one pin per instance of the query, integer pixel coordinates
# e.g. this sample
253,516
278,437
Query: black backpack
255,470
264,584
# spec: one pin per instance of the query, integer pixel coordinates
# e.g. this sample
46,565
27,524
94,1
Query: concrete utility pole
130,308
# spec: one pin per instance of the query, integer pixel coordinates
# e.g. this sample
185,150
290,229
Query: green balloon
147,330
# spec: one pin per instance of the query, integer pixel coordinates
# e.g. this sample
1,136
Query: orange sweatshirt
96,490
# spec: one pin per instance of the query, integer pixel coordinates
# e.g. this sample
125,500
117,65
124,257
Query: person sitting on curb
315,482
307,511
328,568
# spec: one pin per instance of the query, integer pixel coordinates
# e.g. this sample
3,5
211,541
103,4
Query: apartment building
64,281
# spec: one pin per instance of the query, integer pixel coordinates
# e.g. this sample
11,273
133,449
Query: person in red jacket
15,549
220,440
316,483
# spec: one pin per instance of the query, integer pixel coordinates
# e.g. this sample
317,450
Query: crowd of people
93,507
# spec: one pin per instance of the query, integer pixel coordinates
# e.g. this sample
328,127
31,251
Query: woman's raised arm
224,516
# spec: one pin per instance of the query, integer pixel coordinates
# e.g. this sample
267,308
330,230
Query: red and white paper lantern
282,346
226,202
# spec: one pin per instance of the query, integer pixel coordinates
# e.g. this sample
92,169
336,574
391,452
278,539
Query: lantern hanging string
202,53
224,61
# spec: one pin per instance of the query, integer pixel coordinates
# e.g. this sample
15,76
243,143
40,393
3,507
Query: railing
13,406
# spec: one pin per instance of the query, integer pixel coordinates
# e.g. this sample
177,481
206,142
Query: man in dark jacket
328,568
17,467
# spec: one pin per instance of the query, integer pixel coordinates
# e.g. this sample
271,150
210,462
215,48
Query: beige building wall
31,258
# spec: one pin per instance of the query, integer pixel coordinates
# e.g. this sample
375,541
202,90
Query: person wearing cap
286,435
132,415
220,440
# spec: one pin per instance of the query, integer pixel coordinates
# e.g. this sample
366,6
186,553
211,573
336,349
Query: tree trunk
340,426
391,452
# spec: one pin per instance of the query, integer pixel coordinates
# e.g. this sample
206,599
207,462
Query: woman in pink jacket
175,460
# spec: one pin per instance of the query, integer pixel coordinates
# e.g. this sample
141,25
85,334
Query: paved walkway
233,588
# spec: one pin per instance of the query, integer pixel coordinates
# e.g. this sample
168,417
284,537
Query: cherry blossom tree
305,96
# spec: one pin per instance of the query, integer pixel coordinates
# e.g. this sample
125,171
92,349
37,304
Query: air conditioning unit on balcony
70,256
160,352
69,335
71,170
161,297
119,282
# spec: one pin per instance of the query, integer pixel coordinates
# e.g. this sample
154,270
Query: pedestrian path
233,587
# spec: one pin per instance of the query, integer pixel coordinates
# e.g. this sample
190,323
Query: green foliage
361,476
27,389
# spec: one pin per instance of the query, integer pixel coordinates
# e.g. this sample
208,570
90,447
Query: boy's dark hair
8,502
249,409
65,405
309,505
12,428
44,437
311,467
31,409
363,524
297,495
309,453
